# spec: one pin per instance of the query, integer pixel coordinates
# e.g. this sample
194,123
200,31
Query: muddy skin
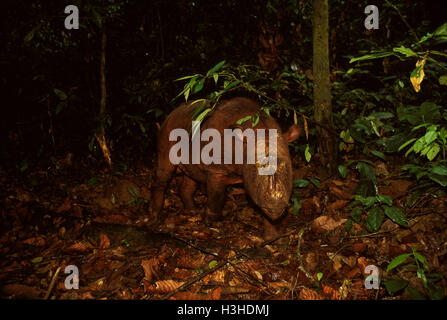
271,193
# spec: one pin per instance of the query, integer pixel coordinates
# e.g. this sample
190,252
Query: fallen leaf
35,241
20,291
80,246
326,223
150,268
330,292
165,286
104,241
307,294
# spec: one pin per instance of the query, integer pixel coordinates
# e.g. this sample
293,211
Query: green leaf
215,77
443,80
419,257
382,115
199,86
37,260
441,31
405,51
378,154
396,215
216,68
385,199
397,261
200,118
430,136
315,182
30,35
441,170
442,180
436,293
242,120
415,294
307,154
186,94
395,285
60,94
212,264
296,206
343,170
300,183
356,214
370,56
230,85
186,77
255,120
406,143
433,152
374,219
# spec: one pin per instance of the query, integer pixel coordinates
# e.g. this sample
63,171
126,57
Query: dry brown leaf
310,206
343,291
326,223
150,268
362,263
339,193
358,247
234,290
20,291
80,246
330,292
35,241
354,273
310,260
215,294
64,206
189,262
104,241
307,294
337,263
165,286
338,204
187,295
280,284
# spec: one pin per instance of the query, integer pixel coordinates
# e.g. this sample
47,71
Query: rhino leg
215,189
163,174
187,190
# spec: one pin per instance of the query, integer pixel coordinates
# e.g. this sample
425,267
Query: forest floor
74,214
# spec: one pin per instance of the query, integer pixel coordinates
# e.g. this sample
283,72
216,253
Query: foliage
418,263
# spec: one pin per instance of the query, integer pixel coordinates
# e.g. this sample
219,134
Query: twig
229,261
194,280
298,256
404,20
373,235
53,281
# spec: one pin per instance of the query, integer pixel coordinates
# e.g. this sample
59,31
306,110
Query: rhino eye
267,162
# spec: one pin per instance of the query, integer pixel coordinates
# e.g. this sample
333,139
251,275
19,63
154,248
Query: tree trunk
100,137
327,144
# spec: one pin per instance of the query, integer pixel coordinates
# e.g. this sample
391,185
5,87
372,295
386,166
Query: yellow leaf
418,75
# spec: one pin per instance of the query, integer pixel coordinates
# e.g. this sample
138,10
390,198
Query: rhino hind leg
163,175
215,188
187,190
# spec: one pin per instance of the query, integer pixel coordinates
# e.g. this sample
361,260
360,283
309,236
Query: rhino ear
293,133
